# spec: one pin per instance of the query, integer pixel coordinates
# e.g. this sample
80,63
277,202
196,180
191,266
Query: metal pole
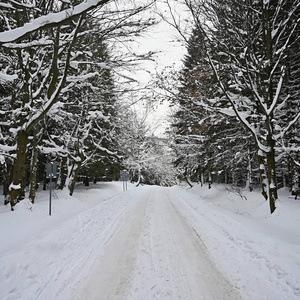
50,176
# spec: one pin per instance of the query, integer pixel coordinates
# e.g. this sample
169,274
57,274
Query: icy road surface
151,252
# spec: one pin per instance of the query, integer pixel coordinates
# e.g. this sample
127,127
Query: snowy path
150,243
111,272
153,254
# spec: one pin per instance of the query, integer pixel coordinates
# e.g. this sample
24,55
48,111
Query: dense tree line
58,98
147,157
237,117
238,99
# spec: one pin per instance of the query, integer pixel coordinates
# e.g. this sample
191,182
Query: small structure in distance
124,176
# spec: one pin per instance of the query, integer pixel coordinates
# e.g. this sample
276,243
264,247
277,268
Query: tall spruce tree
248,43
208,144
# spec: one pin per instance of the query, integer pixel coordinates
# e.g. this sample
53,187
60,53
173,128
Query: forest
236,116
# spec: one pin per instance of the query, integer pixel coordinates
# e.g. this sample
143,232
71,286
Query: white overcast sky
166,41
163,38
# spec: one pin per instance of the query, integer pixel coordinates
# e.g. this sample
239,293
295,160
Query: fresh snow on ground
150,243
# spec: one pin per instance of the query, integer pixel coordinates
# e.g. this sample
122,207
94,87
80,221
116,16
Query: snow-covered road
153,253
110,275
150,243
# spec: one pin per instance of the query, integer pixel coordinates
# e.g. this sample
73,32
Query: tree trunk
44,181
272,182
233,177
73,177
187,178
209,180
63,173
226,177
284,183
294,177
262,173
202,178
17,187
249,171
33,170
7,180
139,177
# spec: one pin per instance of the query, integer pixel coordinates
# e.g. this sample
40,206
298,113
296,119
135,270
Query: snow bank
40,254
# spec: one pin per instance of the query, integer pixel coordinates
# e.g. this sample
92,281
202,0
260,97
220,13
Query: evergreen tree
206,141
247,47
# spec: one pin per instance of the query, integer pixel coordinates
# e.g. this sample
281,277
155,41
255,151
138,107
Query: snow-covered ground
150,243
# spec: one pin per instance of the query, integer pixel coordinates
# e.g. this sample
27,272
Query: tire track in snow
254,261
38,272
173,262
110,275
94,239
